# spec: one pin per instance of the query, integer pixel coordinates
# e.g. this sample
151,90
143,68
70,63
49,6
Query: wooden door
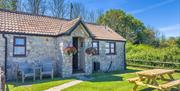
75,56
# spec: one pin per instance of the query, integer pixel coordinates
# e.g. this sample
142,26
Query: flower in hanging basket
70,50
91,51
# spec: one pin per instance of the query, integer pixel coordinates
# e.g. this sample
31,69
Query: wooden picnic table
151,77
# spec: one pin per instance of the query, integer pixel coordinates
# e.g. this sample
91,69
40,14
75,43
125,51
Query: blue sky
163,15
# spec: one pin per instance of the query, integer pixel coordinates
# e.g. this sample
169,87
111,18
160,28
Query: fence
153,64
2,80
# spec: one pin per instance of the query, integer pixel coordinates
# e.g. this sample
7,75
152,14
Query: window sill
19,55
111,54
96,54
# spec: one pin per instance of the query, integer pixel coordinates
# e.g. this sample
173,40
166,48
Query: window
107,51
95,44
19,48
110,48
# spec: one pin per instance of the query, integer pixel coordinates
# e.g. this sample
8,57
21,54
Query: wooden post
148,80
170,76
162,77
135,87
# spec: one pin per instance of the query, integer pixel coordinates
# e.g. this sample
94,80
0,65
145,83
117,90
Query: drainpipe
5,58
125,65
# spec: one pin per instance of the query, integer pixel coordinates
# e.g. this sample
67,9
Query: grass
37,85
114,81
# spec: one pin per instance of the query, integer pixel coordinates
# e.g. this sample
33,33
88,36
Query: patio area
113,81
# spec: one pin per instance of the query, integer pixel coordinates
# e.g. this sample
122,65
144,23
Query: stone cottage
30,37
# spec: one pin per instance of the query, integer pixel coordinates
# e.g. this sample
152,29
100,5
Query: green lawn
37,85
114,81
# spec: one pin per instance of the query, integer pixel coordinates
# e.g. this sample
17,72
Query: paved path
63,86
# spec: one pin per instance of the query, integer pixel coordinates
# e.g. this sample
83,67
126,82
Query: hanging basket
70,50
91,51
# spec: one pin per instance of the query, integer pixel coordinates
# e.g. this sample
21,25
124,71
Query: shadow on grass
152,89
110,76
147,89
7,87
97,77
30,81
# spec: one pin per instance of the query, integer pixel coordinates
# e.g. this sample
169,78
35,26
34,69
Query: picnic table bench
151,79
133,80
169,85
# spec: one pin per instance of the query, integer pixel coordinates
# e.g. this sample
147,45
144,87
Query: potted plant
71,50
90,51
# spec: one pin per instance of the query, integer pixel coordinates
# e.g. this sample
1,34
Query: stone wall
40,48
2,50
65,41
37,49
105,60
65,63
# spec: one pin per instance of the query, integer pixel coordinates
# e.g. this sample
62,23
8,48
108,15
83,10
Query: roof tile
36,24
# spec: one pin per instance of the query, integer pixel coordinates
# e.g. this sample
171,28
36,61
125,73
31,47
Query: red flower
91,51
70,50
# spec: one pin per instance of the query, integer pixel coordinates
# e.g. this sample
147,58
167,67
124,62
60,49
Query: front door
75,56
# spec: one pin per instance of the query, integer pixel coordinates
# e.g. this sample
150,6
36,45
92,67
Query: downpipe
5,56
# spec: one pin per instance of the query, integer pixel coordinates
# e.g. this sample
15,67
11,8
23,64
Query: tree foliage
150,53
9,4
128,26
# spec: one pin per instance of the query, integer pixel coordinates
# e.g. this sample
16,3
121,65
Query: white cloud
151,7
169,28
172,30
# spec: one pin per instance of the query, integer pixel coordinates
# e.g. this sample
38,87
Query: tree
92,15
178,42
147,36
58,8
78,9
1,6
9,4
125,25
35,6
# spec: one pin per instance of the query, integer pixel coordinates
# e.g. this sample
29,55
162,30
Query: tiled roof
104,32
18,22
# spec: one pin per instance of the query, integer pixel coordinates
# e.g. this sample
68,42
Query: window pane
112,45
112,51
19,41
96,50
95,44
107,45
107,51
19,50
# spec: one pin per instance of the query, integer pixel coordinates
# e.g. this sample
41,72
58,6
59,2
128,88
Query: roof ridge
93,23
55,27
26,13
52,17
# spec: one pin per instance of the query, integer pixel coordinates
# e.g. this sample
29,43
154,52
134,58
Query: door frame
75,56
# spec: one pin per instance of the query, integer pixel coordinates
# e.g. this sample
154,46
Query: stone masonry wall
65,41
105,60
1,50
37,49
40,48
